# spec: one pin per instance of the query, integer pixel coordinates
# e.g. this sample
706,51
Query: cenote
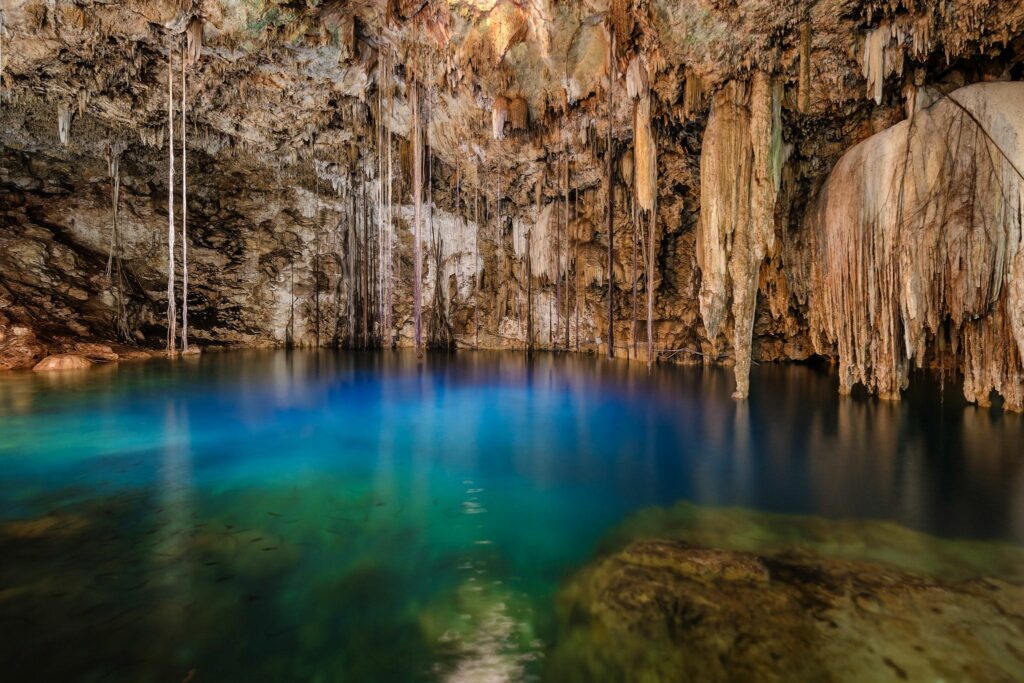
331,516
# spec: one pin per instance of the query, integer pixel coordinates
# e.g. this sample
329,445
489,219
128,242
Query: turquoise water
322,516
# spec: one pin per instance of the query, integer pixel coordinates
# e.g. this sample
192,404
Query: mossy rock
662,610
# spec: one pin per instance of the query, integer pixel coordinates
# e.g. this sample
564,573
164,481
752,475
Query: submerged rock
714,594
63,361
663,610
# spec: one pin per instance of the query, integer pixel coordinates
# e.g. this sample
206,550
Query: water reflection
372,516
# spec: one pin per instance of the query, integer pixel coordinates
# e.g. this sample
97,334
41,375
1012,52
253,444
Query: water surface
341,516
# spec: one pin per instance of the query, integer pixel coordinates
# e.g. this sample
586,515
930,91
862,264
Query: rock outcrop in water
757,218
736,595
665,611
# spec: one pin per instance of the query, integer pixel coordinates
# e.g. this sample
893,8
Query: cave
494,340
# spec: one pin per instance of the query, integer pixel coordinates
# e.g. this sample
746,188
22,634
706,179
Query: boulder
62,361
664,610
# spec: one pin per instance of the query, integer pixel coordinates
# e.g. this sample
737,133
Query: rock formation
829,177
665,611
915,248
729,594
740,171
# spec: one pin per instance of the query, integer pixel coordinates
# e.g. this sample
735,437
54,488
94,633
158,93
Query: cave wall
732,126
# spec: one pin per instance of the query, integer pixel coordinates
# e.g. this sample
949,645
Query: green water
364,517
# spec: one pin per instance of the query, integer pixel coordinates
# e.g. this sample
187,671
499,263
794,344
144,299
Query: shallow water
322,516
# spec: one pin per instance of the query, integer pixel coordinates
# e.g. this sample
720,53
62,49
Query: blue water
332,516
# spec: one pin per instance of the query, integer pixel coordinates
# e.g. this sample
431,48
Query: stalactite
476,260
390,271
804,84
115,268
558,275
63,123
645,197
740,164
576,258
350,248
379,196
365,282
693,94
916,230
882,57
610,185
417,184
565,202
194,40
316,253
539,190
172,316
3,34
499,115
184,217
634,221
518,113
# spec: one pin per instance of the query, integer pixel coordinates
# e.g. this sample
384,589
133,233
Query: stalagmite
914,240
740,167
417,192
172,316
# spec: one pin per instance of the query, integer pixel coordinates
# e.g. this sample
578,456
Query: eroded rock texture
915,246
731,594
733,210
662,610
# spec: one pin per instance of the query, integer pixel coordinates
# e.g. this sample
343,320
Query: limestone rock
741,167
916,242
19,348
662,610
63,361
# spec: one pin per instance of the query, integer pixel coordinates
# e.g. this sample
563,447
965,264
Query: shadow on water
319,516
